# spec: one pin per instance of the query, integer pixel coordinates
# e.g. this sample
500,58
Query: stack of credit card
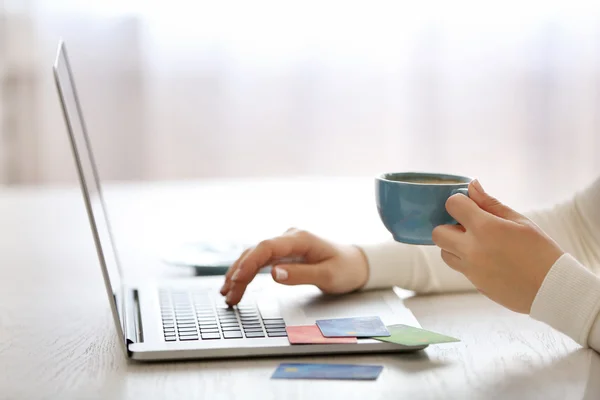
347,331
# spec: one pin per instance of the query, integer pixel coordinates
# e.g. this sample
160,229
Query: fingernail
224,287
280,274
478,186
235,275
229,297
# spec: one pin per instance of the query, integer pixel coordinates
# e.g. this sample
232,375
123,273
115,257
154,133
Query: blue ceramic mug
411,204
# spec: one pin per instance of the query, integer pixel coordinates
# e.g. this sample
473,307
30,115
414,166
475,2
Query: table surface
57,339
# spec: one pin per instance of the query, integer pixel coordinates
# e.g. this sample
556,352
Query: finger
269,252
235,294
465,211
491,204
302,274
452,260
227,284
450,238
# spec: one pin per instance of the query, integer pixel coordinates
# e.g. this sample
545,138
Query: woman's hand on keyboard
299,257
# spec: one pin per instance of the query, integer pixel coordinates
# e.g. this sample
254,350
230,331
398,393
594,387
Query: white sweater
569,298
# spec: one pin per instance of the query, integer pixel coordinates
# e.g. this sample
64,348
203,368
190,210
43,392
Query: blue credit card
357,327
327,371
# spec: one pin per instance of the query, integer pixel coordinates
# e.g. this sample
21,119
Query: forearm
417,268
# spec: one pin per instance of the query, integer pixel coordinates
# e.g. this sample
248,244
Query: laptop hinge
132,317
122,313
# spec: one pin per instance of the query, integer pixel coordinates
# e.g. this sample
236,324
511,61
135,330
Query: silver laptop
188,318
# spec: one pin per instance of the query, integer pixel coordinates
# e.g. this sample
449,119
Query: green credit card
411,336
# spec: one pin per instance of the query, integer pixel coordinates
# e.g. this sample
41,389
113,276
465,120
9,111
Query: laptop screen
88,175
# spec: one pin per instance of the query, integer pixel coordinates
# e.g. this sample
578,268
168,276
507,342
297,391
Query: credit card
327,371
411,336
357,327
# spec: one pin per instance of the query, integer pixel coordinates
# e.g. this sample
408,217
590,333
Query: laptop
187,318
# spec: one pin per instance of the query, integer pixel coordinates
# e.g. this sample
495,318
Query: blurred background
506,91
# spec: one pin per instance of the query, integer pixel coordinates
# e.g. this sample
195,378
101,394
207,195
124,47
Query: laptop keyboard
188,315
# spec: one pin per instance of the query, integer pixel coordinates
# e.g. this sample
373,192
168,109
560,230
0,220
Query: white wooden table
57,339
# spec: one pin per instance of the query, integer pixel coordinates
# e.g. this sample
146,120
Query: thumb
491,204
302,274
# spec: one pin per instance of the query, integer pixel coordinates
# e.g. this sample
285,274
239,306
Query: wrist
362,266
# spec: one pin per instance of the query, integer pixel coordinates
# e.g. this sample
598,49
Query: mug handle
464,191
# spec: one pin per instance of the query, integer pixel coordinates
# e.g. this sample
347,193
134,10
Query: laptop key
277,334
189,338
212,330
228,320
251,326
273,321
187,333
195,333
254,334
186,321
275,326
187,330
253,330
230,328
186,325
233,335
271,329
170,338
209,336
247,312
229,323
276,330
